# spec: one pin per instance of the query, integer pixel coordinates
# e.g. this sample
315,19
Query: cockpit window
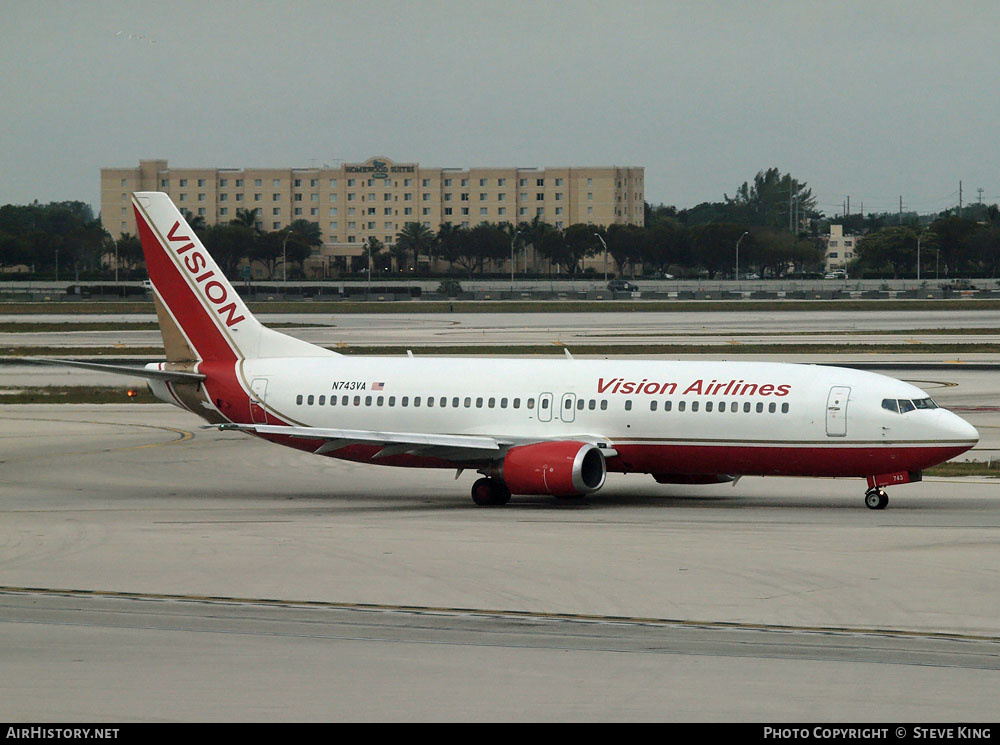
904,405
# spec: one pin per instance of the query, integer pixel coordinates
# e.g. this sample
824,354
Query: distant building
378,197
840,248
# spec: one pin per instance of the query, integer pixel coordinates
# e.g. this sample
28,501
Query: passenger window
568,404
592,404
517,403
309,400
503,403
708,406
760,407
343,401
468,402
545,403
392,400
531,403
479,403
772,407
492,403
667,405
404,401
904,406
454,403
430,400
333,400
604,405
652,405
694,406
416,400
784,408
746,407
322,400
722,406
443,402
357,400
380,401
368,400
580,404
298,399
628,405
681,405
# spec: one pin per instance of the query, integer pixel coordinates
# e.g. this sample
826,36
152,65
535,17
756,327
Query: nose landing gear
876,498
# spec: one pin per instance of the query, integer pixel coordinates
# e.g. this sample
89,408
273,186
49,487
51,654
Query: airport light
284,271
919,238
738,255
605,256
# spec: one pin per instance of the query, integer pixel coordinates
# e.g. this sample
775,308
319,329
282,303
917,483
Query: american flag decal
378,386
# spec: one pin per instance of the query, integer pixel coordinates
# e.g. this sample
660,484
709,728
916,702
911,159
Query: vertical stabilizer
199,311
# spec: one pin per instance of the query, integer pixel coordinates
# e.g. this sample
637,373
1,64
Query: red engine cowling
561,469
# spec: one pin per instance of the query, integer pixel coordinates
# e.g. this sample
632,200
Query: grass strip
524,306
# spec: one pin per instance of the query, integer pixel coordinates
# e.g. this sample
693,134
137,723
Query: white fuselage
683,417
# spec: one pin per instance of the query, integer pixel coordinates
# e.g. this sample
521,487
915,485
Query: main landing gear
490,493
876,498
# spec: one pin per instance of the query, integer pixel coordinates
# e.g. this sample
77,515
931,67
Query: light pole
738,255
605,256
919,238
513,238
284,271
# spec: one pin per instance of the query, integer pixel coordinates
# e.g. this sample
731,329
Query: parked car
836,274
621,285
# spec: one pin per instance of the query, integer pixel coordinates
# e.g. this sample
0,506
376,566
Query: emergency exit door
836,411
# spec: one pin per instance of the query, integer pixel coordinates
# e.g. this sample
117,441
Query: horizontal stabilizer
167,376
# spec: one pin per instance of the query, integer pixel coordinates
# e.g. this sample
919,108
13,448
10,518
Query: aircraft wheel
876,499
490,493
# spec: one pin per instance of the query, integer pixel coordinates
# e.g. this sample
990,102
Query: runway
779,599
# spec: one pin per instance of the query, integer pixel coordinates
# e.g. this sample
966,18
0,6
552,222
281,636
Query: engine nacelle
561,469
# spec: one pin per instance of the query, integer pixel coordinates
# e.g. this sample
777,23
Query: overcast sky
868,99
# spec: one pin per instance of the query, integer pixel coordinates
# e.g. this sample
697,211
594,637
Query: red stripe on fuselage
702,459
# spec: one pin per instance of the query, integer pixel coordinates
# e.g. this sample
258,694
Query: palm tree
416,239
244,217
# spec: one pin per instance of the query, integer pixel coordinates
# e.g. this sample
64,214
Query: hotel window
333,226
333,183
465,182
351,181
276,182
275,197
239,183
482,197
540,182
425,182
502,196
201,182
501,182
447,182
184,182
333,212
484,211
258,182
559,182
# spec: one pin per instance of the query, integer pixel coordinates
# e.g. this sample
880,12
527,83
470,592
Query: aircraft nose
957,428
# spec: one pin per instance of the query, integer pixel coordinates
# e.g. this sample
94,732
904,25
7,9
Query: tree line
770,225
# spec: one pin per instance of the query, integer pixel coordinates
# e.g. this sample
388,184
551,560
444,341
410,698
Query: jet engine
561,468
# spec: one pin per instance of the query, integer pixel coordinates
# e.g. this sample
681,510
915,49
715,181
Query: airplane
527,426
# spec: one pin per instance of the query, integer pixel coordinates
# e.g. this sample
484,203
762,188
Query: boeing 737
527,426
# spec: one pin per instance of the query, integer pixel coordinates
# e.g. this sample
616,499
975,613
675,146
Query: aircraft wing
167,376
448,447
